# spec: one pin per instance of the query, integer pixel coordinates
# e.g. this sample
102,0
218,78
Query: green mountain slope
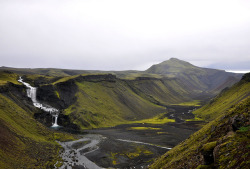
225,100
103,100
224,141
162,91
24,142
174,66
103,103
197,78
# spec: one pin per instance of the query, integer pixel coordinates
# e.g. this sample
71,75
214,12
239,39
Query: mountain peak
174,59
172,65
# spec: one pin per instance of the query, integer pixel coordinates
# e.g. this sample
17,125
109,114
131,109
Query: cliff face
224,141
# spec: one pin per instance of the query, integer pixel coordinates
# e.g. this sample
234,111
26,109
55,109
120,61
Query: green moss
27,143
6,76
63,79
144,128
159,119
195,119
57,94
162,132
244,129
130,154
223,101
105,104
195,103
205,167
114,158
209,146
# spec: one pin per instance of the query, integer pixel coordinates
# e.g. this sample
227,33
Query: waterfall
55,124
31,93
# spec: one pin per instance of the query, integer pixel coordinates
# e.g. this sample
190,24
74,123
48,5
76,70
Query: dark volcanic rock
246,77
67,91
46,94
66,94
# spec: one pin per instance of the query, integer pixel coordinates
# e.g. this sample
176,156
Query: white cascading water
31,93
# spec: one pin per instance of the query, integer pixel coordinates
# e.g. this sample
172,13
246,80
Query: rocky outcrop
59,96
18,94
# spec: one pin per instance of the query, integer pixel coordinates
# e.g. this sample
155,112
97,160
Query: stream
75,151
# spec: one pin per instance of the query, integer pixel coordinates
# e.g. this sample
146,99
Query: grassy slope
6,76
103,104
24,142
230,148
162,91
223,101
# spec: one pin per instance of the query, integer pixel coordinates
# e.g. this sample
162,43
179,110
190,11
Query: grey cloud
120,35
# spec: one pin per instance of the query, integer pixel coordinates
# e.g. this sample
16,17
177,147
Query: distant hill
173,66
224,141
203,79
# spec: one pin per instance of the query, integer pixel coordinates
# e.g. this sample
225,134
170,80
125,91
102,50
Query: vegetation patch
143,128
244,129
108,103
195,103
159,119
162,133
209,146
223,101
195,119
7,76
137,152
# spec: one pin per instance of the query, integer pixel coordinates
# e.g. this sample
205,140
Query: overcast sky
124,34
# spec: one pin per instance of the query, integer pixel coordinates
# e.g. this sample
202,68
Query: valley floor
128,145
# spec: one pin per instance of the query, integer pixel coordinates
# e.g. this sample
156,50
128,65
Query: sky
124,34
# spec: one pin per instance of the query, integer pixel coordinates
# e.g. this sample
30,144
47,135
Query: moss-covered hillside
24,142
104,103
227,98
103,100
224,141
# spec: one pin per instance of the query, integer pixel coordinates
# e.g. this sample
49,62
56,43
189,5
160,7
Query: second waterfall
31,93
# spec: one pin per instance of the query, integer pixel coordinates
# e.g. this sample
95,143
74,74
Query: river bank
125,146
